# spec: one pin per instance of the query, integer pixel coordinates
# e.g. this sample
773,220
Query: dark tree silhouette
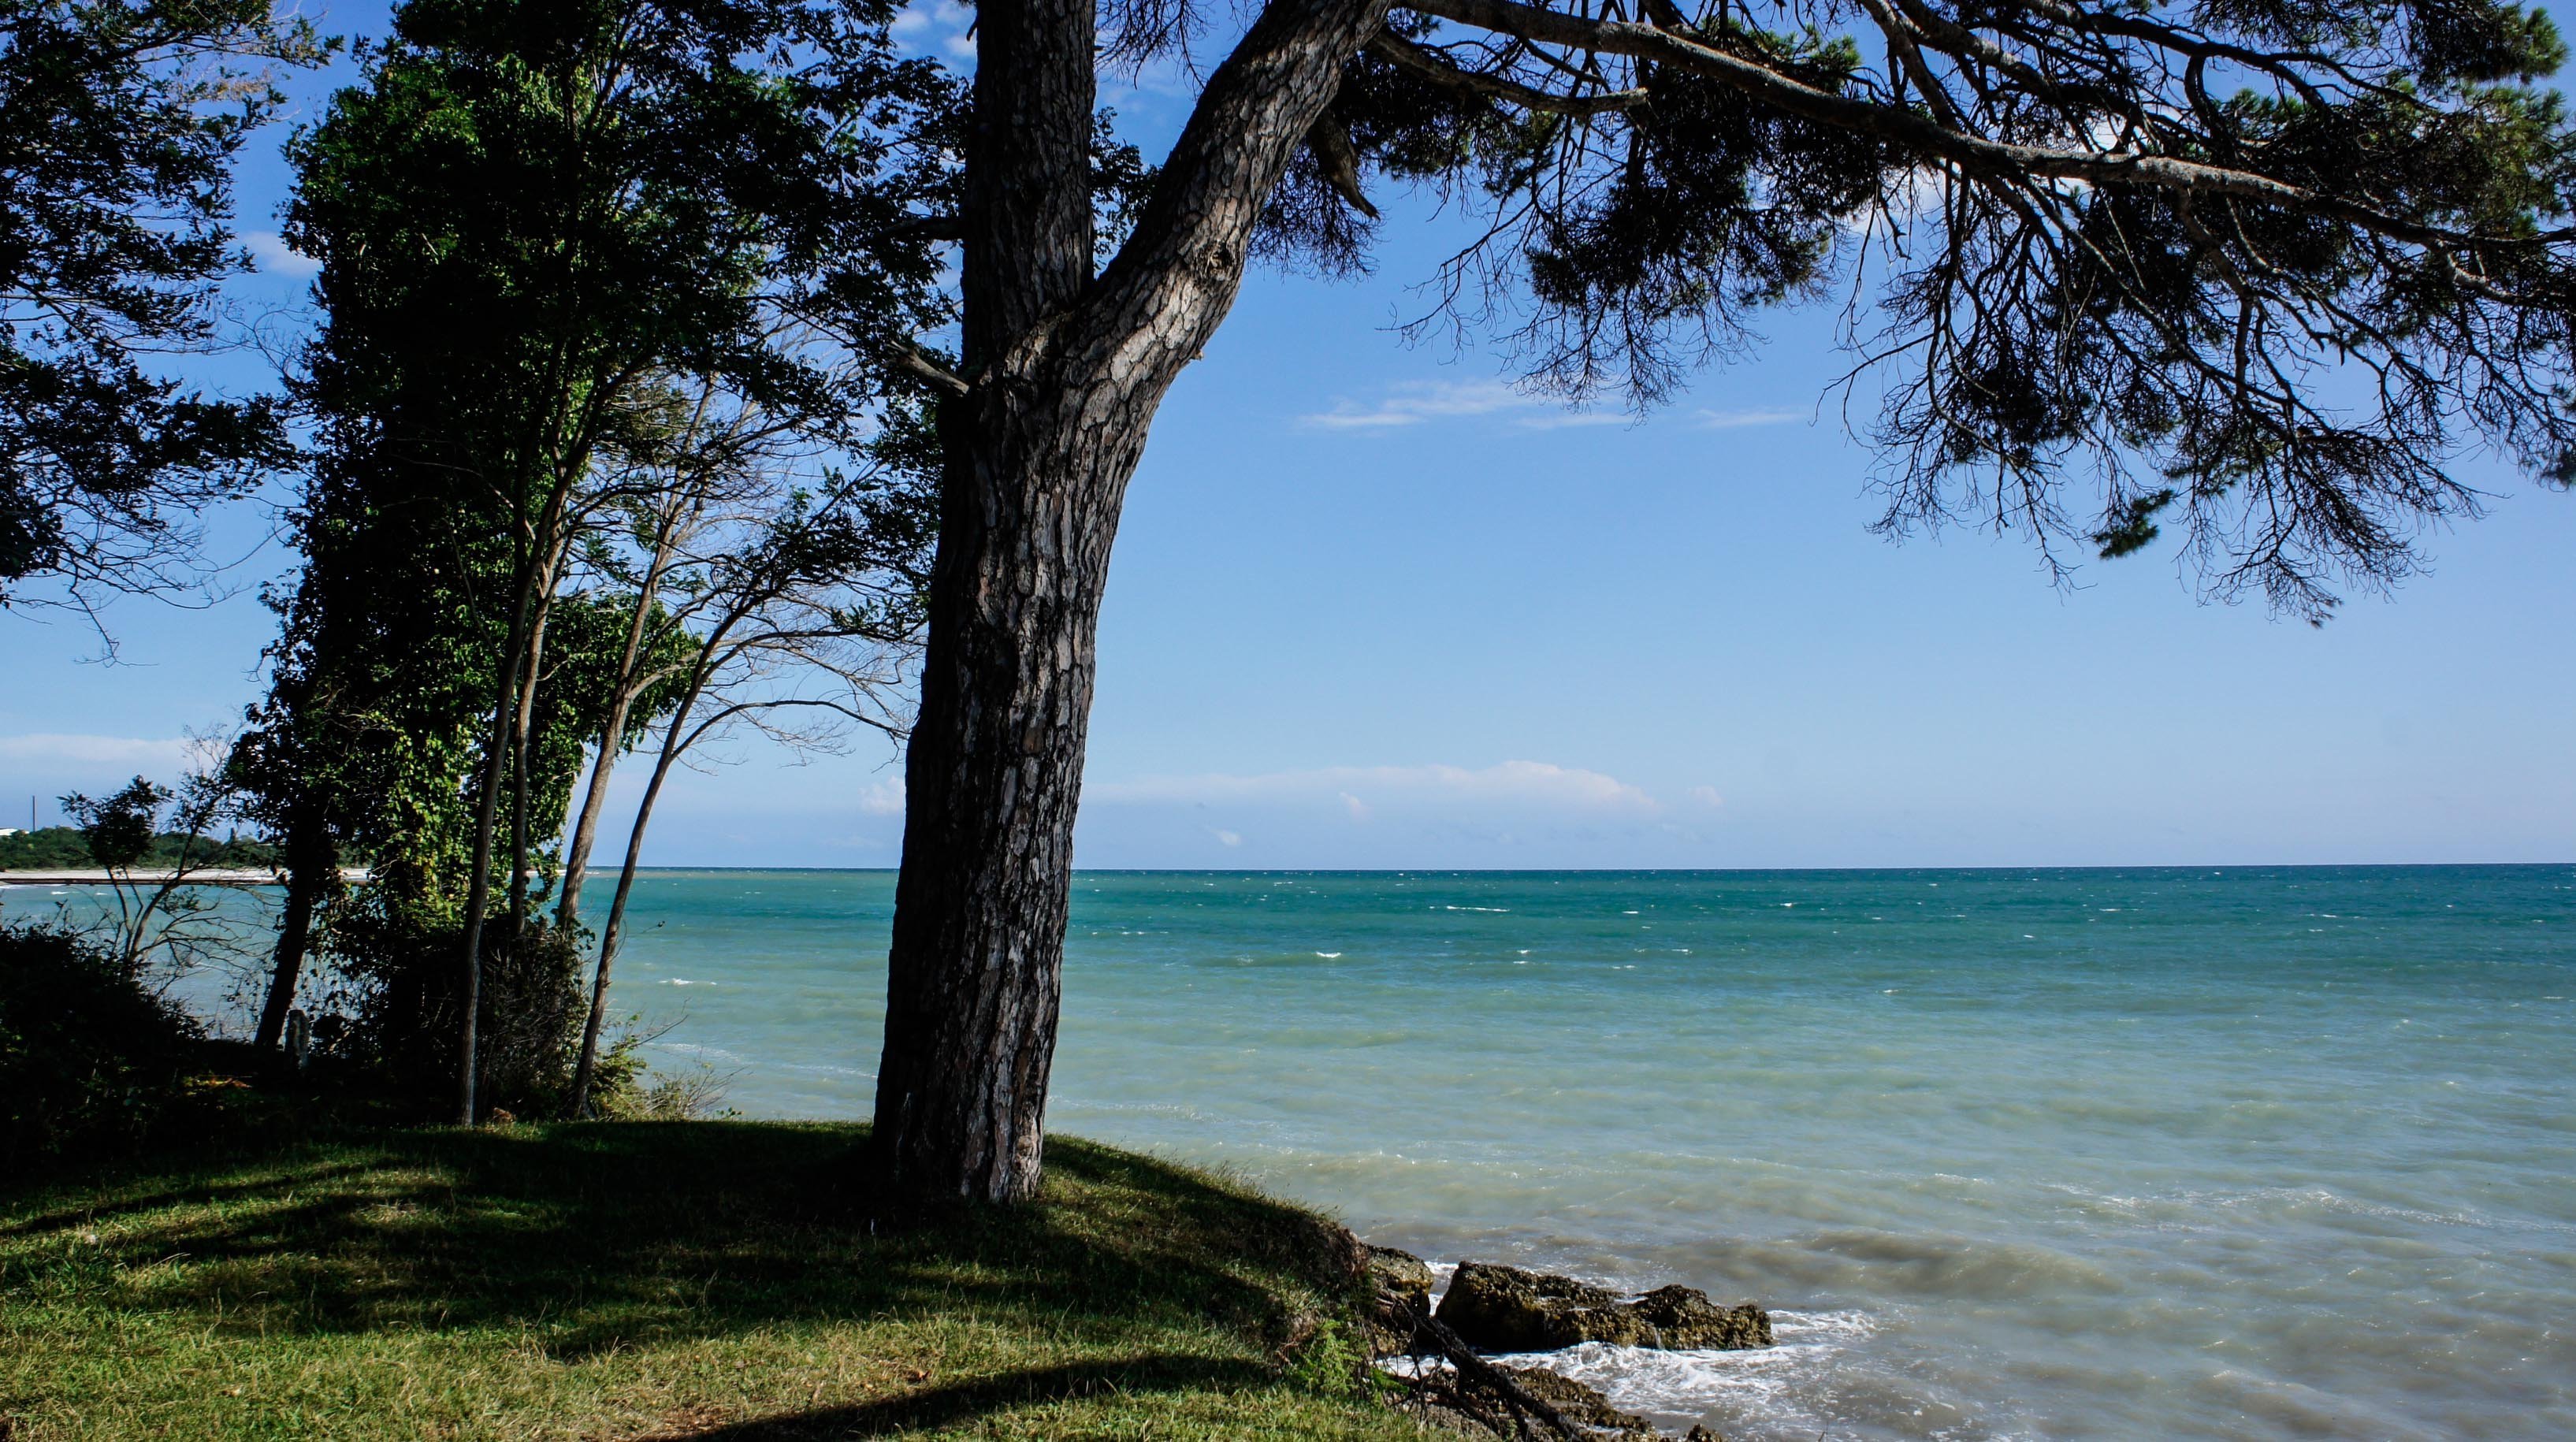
119,122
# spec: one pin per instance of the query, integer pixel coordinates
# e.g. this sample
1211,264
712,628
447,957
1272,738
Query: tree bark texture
312,874
1066,371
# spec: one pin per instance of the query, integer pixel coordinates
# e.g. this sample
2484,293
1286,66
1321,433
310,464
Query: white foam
1768,1381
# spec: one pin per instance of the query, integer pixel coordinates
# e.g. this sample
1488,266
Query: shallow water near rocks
2215,1152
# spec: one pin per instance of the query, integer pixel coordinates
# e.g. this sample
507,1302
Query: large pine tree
2257,267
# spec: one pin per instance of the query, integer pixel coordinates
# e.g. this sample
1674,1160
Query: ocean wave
1776,1383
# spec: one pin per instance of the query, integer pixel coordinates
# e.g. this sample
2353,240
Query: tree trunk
612,740
586,1069
530,671
478,891
312,873
1068,373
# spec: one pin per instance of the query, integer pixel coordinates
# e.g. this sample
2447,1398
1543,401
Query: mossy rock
1505,1309
1401,1297
1685,1319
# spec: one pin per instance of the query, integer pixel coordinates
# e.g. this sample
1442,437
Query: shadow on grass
962,1402
590,1238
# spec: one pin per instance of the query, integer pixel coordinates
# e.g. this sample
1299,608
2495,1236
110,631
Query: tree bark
312,873
1067,373
530,670
612,739
586,1069
478,891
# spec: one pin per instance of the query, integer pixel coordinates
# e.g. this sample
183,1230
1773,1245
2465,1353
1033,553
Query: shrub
396,1013
91,1057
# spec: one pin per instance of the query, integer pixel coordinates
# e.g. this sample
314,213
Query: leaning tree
2254,268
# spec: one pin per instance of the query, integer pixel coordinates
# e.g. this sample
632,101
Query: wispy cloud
269,249
1358,790
1411,403
1707,796
64,749
937,25
1731,420
884,797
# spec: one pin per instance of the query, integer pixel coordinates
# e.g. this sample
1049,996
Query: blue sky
1373,608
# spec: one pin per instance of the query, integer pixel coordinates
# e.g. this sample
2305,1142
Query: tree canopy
119,123
2265,268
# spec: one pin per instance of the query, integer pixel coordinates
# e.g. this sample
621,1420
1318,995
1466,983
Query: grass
653,1280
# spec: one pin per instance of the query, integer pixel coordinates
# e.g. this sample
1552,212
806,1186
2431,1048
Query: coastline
211,876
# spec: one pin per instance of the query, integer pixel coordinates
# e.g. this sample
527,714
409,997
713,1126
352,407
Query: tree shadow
595,1237
957,1403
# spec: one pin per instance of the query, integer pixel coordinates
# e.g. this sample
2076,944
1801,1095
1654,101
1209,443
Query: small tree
793,608
161,923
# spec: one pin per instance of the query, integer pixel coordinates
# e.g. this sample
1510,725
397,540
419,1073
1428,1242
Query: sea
2193,1152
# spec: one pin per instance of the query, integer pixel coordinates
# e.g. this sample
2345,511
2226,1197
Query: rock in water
1402,1298
1686,1320
1403,1274
1504,1309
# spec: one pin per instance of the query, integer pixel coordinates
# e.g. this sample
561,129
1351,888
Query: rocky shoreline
1492,1309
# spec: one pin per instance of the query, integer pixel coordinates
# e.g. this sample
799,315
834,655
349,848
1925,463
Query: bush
91,1057
395,1017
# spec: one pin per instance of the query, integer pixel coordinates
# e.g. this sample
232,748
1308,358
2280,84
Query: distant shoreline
212,876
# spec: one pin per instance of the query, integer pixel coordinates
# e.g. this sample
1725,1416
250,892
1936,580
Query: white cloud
1732,420
1536,783
1224,838
940,24
64,749
1707,796
884,797
1410,403
269,249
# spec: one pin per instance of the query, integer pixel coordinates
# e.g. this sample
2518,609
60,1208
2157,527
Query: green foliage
119,121
624,1090
1334,1361
61,848
118,831
2282,261
91,1058
543,231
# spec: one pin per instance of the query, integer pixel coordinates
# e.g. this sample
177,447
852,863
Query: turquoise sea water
2225,1152
2192,1153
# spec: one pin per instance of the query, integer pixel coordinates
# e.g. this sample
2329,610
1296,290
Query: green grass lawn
657,1279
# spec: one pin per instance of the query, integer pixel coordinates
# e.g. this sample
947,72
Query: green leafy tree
2258,270
534,220
119,121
